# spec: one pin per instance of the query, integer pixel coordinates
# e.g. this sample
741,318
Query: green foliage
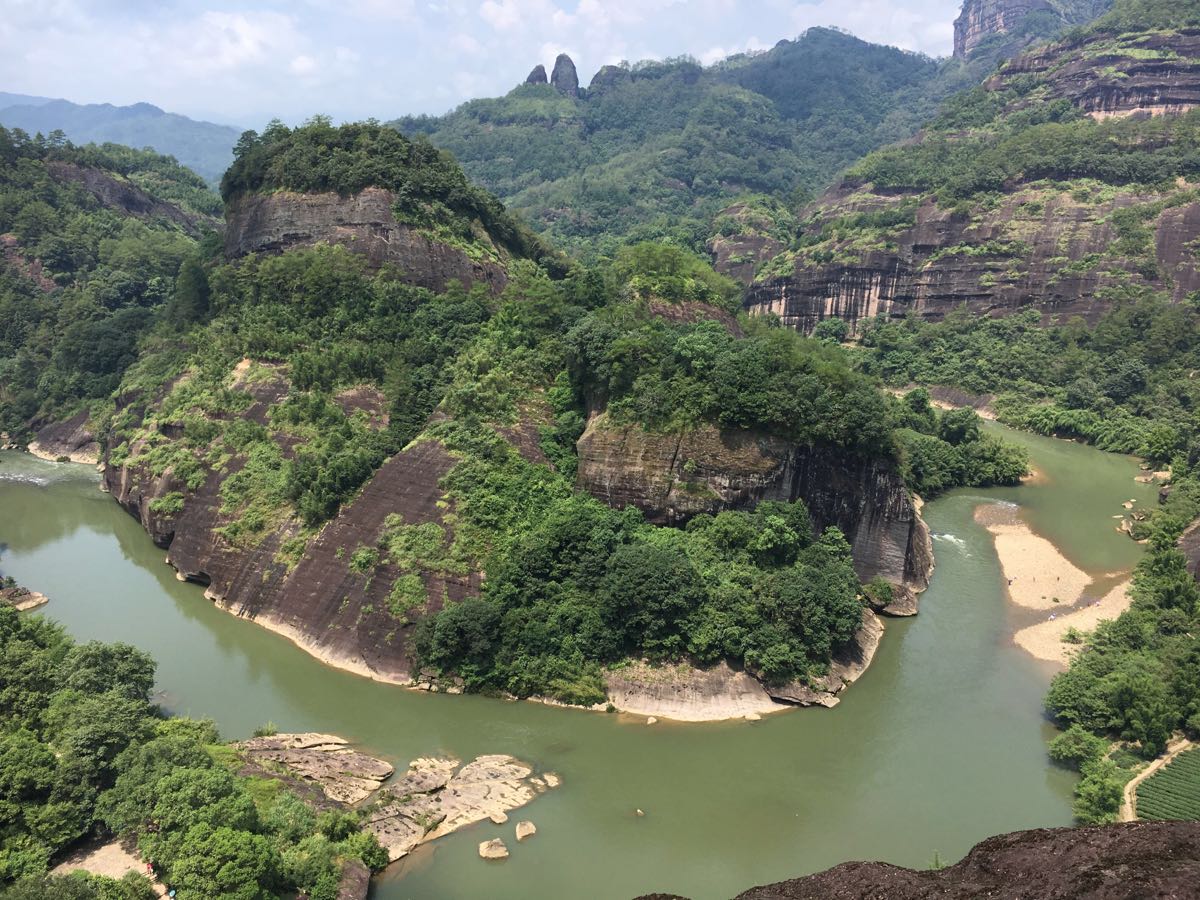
67,335
653,271
669,377
431,191
1173,792
81,747
1123,385
660,148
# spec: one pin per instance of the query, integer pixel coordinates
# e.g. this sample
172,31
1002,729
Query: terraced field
1173,793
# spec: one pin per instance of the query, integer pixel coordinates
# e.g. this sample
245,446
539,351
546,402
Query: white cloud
242,60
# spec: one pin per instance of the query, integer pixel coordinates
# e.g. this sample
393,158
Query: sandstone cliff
1040,246
672,477
339,615
1063,246
981,19
365,223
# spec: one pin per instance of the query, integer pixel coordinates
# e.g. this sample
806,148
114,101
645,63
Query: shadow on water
941,744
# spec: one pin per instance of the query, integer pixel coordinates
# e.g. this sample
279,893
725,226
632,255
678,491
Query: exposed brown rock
564,77
672,477
537,76
363,222
1149,74
1037,248
981,19
28,266
338,615
1114,862
72,439
22,599
125,197
493,849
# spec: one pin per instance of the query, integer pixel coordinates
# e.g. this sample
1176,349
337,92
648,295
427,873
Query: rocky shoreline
435,797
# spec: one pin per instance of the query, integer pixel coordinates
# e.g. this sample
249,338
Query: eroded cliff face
1147,74
126,198
1041,246
365,223
1064,247
672,477
315,597
981,19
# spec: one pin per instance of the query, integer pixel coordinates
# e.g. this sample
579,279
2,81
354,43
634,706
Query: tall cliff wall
672,477
365,223
1041,246
1064,246
320,601
981,19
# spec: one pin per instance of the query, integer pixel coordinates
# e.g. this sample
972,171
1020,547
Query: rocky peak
980,19
564,78
537,76
608,77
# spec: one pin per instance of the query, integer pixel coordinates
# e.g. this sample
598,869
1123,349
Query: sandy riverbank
111,860
1045,639
1038,576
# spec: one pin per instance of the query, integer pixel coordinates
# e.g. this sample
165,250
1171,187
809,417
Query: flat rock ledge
435,797
438,796
23,599
344,775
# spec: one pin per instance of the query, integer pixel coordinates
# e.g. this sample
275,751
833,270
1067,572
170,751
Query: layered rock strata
673,477
365,223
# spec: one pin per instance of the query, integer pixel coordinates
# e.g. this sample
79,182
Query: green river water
941,744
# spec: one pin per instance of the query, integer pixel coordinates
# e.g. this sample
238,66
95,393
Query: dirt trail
1129,804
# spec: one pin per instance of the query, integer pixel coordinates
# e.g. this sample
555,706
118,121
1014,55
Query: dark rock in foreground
1114,862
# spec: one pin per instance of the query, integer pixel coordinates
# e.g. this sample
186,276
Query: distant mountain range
204,147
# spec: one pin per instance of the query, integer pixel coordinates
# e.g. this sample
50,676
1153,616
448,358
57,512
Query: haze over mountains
204,147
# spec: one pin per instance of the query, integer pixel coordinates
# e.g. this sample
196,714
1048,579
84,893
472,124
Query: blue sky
246,62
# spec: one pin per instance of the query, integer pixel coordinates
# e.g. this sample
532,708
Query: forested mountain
204,147
658,148
93,242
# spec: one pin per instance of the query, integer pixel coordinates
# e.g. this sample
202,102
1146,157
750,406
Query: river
940,744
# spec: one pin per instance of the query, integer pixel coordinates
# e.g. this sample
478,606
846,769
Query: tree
192,295
223,863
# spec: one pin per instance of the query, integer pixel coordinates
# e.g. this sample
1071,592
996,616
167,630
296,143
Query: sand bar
1045,639
1038,576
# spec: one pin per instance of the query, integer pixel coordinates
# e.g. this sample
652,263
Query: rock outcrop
564,78
72,439
1113,862
981,19
1149,74
22,599
343,774
125,197
672,477
433,798
341,616
1063,247
537,76
1039,247
363,222
437,797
